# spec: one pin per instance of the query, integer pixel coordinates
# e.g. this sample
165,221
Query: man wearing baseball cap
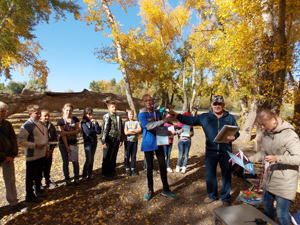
212,123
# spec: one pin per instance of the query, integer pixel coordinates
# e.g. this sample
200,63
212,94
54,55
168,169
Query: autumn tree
99,13
18,19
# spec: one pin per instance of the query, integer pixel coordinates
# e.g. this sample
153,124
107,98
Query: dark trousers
131,149
47,167
33,175
211,162
110,156
160,155
90,150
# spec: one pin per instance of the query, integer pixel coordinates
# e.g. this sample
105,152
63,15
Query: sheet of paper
249,166
162,136
171,128
186,130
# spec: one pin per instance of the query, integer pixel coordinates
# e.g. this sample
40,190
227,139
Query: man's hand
170,118
8,160
39,146
173,114
231,138
104,146
271,158
190,133
120,145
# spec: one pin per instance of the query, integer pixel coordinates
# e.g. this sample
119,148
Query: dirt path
120,201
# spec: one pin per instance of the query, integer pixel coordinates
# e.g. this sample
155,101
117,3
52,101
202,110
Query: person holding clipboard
212,123
151,120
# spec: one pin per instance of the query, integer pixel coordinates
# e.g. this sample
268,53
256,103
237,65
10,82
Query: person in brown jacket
280,152
8,152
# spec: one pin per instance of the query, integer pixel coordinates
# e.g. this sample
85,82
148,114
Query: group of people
280,151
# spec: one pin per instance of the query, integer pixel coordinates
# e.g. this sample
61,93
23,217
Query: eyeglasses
217,103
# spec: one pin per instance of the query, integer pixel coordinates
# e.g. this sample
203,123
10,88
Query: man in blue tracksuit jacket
212,123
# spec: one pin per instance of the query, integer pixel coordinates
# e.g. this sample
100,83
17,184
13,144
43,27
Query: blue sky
68,48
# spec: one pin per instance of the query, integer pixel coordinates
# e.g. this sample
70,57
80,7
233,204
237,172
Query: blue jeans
212,158
65,159
184,149
282,208
168,149
90,149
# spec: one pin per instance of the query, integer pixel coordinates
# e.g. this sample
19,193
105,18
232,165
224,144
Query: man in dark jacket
212,123
8,151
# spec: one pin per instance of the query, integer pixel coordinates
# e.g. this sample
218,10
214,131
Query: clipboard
226,131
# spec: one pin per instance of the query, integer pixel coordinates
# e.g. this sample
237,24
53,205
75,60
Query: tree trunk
250,119
196,108
237,89
297,106
280,75
112,23
258,139
193,83
54,101
172,98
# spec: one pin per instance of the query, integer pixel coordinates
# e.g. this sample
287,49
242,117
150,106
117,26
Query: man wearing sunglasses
212,123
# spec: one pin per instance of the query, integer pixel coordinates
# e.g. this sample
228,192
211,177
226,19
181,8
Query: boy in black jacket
52,136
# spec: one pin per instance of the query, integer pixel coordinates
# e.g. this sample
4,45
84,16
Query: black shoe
68,182
40,193
109,176
128,172
76,182
33,199
20,207
134,172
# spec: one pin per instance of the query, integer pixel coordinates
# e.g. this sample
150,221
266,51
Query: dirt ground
120,201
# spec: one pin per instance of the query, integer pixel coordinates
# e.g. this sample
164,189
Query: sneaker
208,200
33,199
20,207
169,170
183,169
50,184
84,179
148,196
91,177
177,169
76,182
128,172
169,194
154,171
134,172
68,182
